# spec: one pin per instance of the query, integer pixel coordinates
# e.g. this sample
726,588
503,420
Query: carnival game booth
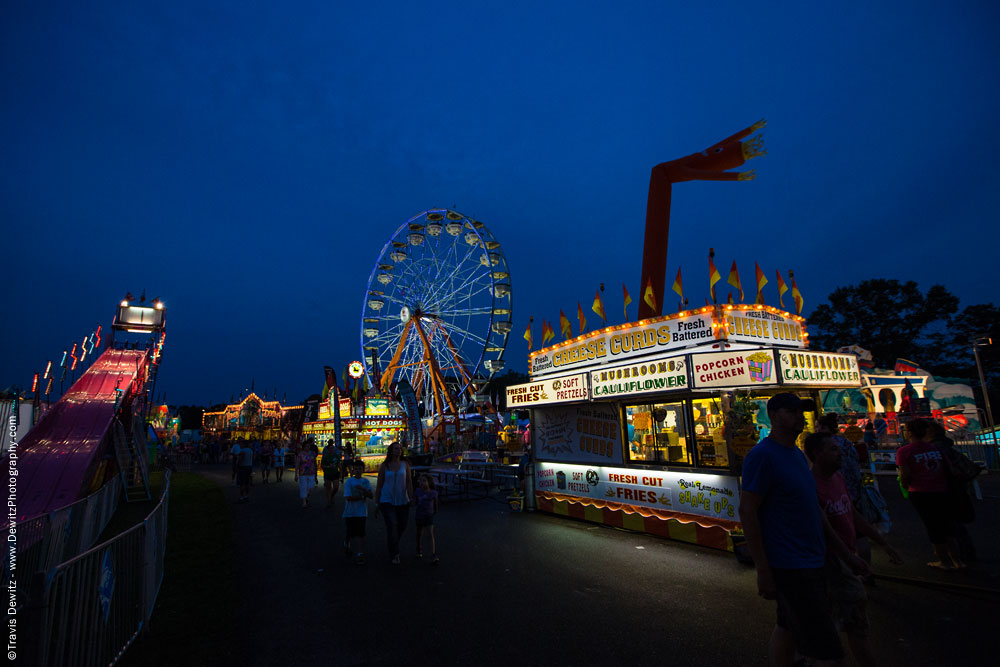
644,426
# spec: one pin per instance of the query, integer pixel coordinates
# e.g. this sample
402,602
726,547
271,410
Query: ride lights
34,383
124,303
48,367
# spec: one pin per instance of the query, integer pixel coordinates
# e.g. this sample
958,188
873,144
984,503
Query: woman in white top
393,494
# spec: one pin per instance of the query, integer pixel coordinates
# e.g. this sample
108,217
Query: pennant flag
679,286
579,316
796,294
547,332
648,296
729,299
906,367
527,333
564,326
598,306
782,288
628,300
734,280
761,281
713,274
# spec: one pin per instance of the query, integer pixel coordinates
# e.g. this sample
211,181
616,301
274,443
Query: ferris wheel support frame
435,371
386,380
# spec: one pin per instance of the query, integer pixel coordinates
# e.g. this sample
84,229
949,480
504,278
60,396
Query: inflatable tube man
708,165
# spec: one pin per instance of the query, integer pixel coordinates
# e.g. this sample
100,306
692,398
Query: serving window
709,433
657,433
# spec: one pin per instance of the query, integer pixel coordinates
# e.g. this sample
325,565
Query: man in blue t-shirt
787,533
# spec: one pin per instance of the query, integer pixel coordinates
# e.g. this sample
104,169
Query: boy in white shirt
357,490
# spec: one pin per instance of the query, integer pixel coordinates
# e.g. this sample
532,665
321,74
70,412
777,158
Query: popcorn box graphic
760,367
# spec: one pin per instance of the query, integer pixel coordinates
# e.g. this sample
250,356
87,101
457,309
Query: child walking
357,490
427,506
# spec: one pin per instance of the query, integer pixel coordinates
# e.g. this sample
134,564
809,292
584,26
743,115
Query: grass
198,597
129,514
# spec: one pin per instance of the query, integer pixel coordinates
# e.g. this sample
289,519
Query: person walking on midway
847,593
923,474
244,472
279,460
357,491
234,454
392,497
330,462
427,508
266,459
305,471
787,532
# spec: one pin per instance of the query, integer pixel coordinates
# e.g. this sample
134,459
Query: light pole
978,343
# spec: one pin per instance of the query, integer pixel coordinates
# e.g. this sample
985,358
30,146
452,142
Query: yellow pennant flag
579,315
547,332
796,294
598,306
713,274
782,288
564,325
734,280
648,296
527,334
628,300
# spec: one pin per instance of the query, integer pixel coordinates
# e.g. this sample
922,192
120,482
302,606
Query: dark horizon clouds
246,162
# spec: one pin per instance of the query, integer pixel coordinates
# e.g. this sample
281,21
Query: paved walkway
527,589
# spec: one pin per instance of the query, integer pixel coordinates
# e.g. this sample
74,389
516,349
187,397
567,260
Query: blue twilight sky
246,161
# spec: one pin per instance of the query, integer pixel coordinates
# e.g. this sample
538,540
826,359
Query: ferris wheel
437,309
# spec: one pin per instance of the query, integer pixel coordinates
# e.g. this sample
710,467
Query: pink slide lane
59,457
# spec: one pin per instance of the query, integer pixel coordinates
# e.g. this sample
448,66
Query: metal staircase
130,449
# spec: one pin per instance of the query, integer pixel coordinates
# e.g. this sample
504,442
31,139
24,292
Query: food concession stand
644,426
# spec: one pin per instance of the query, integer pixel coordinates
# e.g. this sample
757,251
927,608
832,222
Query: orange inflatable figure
708,165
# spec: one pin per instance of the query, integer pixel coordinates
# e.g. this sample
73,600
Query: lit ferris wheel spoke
438,307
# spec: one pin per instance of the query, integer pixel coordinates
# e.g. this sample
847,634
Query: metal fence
93,606
47,540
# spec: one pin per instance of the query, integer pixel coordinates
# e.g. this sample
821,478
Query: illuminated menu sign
715,496
553,390
763,327
820,368
345,407
377,406
634,340
639,378
745,368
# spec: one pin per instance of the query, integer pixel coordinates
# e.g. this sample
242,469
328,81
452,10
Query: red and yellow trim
703,531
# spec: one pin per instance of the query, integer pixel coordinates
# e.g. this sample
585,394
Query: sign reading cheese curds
632,341
552,390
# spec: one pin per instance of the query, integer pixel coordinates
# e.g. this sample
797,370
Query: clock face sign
356,369
404,314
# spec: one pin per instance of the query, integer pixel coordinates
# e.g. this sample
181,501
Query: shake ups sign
734,369
554,390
